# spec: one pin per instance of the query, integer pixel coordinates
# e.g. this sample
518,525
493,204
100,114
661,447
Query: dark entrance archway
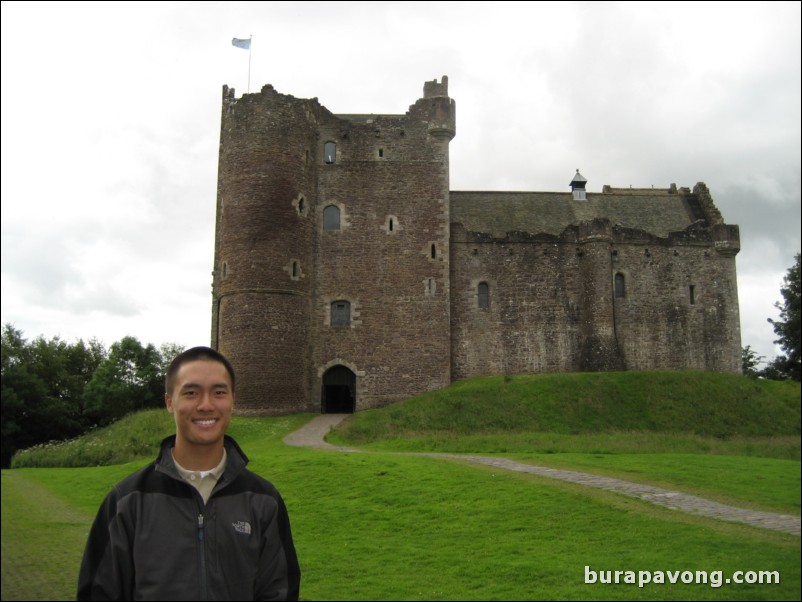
339,391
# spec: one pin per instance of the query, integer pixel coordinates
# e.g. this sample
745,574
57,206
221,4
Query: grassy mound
705,404
131,438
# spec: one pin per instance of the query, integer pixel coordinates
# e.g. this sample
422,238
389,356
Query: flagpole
250,41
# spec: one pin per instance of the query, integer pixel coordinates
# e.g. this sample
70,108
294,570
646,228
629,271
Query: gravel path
312,434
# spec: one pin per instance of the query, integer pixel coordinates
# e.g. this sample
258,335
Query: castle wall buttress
600,348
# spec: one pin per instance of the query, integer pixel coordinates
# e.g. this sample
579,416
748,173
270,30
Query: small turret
433,89
578,187
437,110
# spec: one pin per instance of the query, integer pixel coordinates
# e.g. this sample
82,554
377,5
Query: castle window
484,295
225,270
301,205
434,252
294,269
330,152
391,225
620,290
331,218
692,294
381,152
341,313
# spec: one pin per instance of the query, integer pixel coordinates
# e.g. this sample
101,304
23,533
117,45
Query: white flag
246,44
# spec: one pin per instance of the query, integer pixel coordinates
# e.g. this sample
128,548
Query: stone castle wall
553,304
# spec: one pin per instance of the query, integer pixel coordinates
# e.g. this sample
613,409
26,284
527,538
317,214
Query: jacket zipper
202,558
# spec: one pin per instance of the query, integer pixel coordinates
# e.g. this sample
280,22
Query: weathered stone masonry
379,300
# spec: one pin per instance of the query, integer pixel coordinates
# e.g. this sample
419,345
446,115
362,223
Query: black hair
194,354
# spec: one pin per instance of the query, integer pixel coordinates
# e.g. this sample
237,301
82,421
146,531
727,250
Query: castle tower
263,265
331,282
382,290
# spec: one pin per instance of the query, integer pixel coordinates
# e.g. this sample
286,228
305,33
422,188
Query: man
195,524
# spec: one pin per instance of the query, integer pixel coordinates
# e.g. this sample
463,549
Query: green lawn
762,483
379,525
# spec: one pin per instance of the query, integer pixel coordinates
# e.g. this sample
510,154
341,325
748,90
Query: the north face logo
242,527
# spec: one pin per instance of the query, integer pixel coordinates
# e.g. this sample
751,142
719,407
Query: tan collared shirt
203,480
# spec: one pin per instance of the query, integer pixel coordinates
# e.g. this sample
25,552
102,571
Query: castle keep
347,274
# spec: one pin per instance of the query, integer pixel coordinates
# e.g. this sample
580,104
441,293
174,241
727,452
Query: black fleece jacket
155,539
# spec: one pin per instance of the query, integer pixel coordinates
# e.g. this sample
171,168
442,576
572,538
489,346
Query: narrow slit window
620,286
341,313
330,152
391,224
434,252
331,218
381,152
484,295
294,269
692,294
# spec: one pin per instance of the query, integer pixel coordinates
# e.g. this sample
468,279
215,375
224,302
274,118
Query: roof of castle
656,211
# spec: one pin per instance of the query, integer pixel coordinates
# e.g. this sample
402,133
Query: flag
246,44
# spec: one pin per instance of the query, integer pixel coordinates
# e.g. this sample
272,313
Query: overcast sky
111,122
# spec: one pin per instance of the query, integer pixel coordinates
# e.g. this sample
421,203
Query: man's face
201,402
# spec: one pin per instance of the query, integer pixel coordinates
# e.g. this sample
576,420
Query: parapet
607,189
708,207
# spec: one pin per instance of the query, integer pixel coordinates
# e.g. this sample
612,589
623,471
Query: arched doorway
339,391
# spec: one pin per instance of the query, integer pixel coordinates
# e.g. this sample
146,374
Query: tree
750,360
789,328
42,389
168,352
54,390
129,379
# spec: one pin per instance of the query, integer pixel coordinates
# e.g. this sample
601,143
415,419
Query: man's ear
168,401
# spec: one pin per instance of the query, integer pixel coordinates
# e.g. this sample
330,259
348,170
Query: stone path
312,434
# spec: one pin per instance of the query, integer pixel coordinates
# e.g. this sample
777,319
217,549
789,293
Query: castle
347,274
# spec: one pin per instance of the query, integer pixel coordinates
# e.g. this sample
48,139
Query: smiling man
195,524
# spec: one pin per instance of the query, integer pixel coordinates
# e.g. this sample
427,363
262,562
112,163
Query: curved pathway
313,433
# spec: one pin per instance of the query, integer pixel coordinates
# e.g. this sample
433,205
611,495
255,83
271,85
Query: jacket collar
236,463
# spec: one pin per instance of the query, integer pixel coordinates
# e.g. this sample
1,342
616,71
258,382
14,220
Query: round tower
264,236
